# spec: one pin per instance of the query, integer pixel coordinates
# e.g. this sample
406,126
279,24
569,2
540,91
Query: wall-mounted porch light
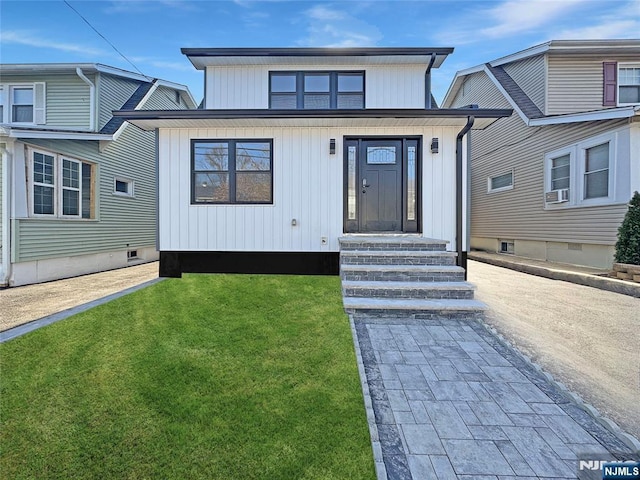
434,145
332,146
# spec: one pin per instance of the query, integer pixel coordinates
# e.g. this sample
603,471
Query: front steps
404,276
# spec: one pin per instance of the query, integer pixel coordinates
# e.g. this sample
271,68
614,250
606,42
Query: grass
208,376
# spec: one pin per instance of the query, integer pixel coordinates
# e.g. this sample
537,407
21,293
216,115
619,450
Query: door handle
364,183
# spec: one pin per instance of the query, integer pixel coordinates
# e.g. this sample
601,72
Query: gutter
6,214
427,82
462,255
92,98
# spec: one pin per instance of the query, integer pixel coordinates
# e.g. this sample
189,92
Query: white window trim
501,189
57,186
8,110
130,193
33,184
577,169
61,159
624,65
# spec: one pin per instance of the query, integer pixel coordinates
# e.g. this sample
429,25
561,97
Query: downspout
462,255
92,98
427,82
5,158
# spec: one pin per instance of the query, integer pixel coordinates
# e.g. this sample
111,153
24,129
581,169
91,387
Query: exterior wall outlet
323,240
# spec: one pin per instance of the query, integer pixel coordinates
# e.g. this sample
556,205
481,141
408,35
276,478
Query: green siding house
77,186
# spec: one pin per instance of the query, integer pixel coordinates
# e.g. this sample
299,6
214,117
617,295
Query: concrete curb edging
381,471
629,440
20,330
595,281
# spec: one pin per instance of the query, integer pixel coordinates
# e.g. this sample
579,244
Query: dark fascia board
313,52
262,113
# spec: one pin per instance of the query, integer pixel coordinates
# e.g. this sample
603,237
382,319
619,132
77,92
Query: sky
148,35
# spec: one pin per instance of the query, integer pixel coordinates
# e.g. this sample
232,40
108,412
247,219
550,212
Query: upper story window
316,90
628,84
60,186
22,103
231,171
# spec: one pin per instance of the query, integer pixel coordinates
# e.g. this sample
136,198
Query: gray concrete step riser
394,247
403,277
397,260
410,293
417,315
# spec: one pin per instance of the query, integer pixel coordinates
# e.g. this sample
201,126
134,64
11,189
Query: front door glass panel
381,155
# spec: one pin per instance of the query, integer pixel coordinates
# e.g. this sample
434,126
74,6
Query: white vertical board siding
246,87
307,186
395,86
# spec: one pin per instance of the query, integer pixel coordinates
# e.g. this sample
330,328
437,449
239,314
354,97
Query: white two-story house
296,147
77,186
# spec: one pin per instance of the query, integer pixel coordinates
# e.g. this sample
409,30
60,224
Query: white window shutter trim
40,103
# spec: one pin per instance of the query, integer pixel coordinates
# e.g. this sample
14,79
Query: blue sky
151,33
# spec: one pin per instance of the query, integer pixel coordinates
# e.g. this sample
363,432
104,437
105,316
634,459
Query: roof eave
264,113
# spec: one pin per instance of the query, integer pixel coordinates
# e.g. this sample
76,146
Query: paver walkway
451,400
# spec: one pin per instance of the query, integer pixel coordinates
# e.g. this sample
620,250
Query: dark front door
380,163
381,187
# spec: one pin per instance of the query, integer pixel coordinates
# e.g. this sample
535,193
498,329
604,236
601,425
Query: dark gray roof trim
525,104
262,113
313,52
114,123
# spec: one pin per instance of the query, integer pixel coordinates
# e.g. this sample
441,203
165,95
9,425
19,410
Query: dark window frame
333,87
232,171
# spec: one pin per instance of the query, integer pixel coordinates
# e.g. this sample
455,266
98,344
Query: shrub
628,244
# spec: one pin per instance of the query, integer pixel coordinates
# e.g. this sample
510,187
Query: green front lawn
208,376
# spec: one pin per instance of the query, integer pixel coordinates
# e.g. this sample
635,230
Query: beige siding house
77,185
552,181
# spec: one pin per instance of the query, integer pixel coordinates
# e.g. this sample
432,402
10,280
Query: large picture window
316,90
61,186
232,171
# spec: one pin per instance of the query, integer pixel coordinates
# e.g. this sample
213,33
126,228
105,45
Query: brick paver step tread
391,285
401,268
444,304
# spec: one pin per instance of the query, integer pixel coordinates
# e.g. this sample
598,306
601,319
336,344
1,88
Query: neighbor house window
500,182
232,171
60,186
22,104
596,171
123,187
628,84
316,90
580,174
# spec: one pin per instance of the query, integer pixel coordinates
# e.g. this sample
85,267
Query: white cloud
508,18
614,29
515,16
620,22
30,39
320,12
331,27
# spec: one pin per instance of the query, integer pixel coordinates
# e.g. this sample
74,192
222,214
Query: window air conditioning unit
557,196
